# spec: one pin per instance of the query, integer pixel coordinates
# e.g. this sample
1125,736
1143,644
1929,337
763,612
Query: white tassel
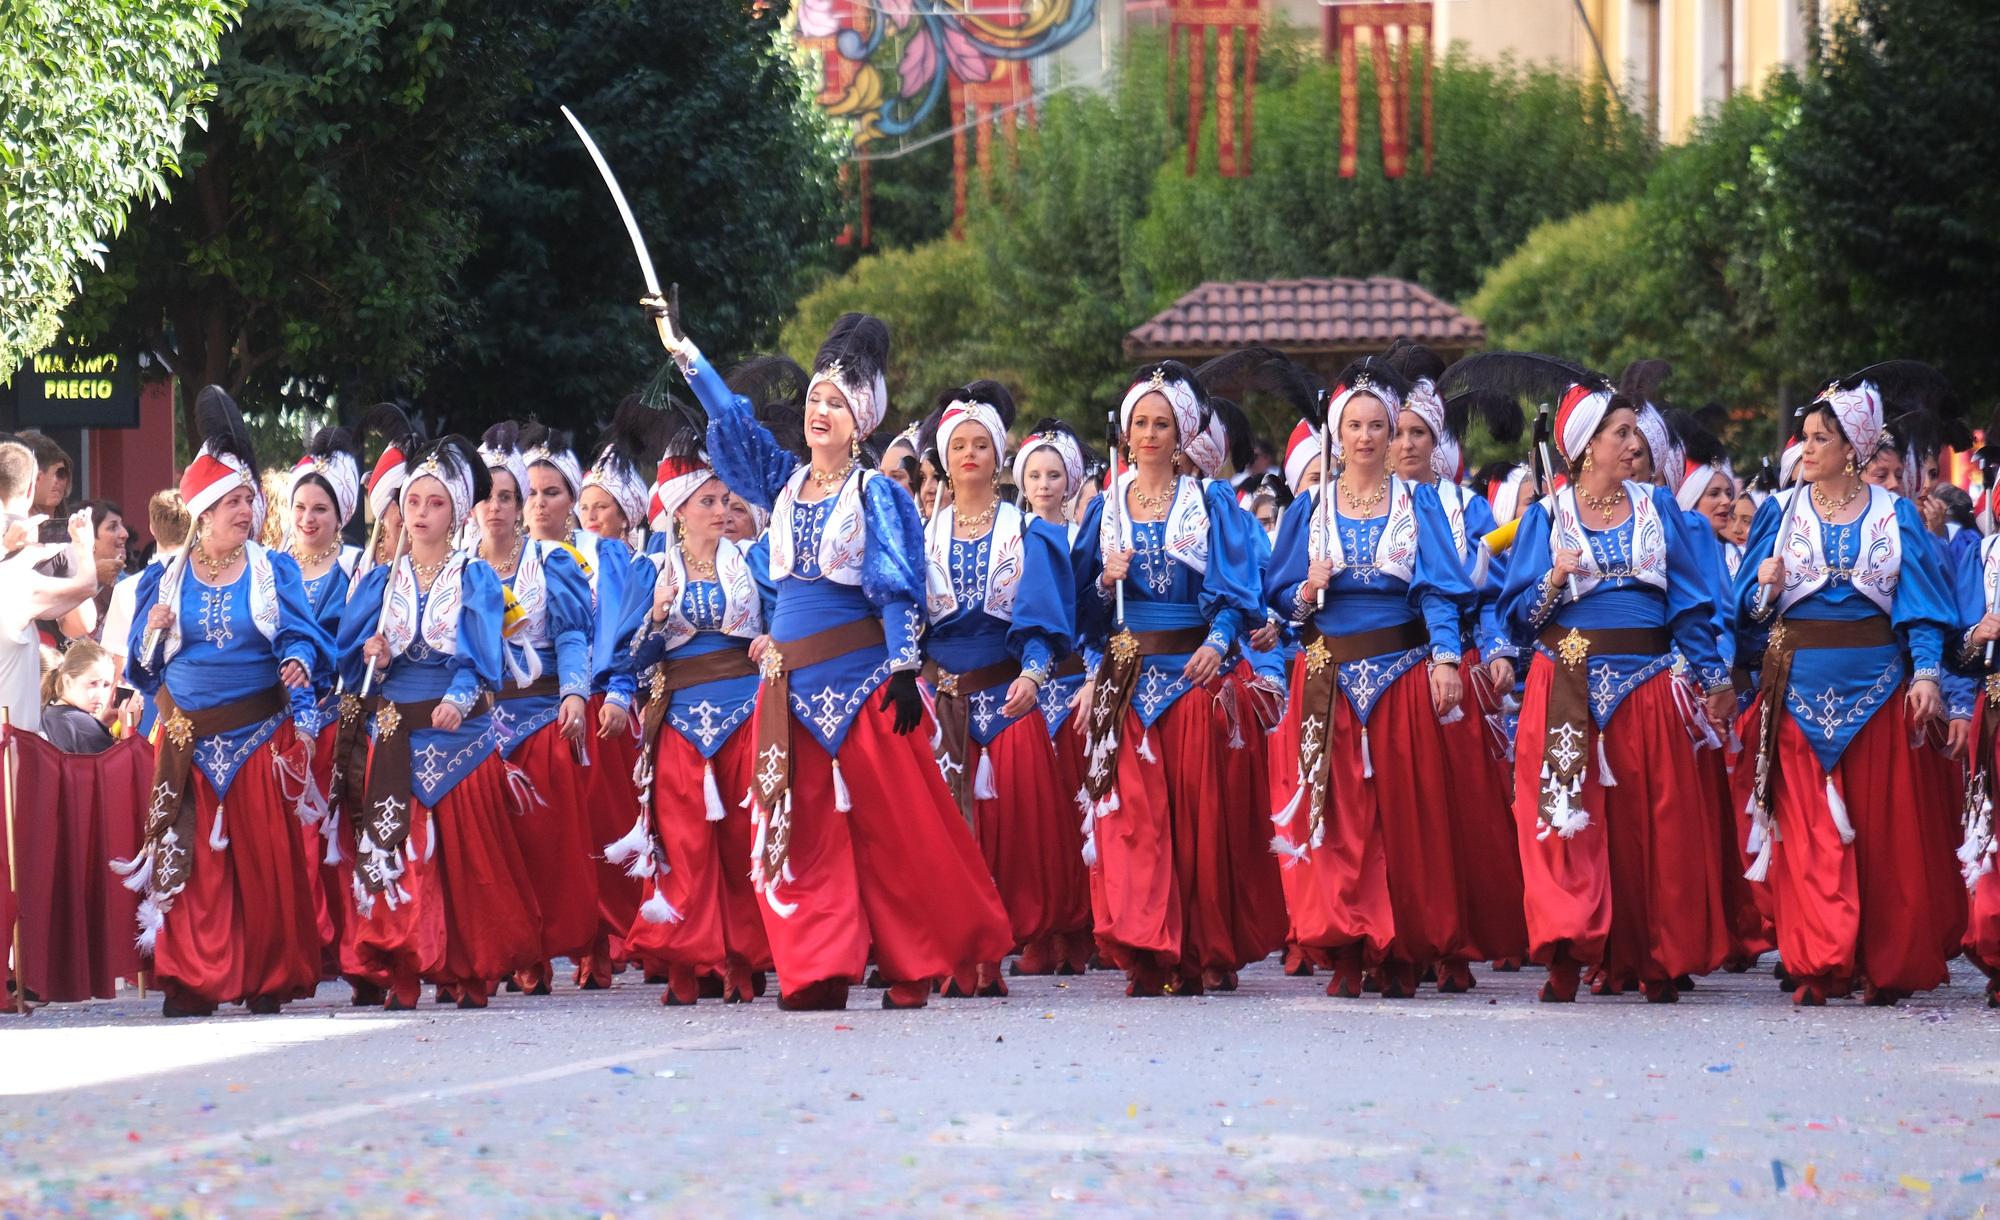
1089,832
1760,868
710,794
982,779
1367,759
217,840
783,910
1090,852
841,801
151,920
1838,808
1290,851
521,790
1109,804
749,800
636,841
138,871
657,909
1146,746
1318,836
1285,816
330,831
430,842
1083,806
1604,776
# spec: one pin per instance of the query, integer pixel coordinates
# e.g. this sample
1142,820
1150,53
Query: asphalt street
1064,1099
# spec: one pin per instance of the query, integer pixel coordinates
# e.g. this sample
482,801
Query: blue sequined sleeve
1040,631
1439,588
635,602
749,460
893,567
481,612
759,559
566,593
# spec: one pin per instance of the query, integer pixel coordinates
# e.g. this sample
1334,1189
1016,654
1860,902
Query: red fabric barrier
73,814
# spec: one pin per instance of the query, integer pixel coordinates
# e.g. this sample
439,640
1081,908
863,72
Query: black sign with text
71,386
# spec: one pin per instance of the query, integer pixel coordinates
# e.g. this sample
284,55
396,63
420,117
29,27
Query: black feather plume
1263,370
1241,443
1696,442
1642,379
386,422
776,388
1499,412
1415,361
1521,376
222,428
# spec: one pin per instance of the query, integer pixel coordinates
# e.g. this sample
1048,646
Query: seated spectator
78,695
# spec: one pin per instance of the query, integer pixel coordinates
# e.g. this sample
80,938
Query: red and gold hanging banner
1003,101
1346,24
1191,22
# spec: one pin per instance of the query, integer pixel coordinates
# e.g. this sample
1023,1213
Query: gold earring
1586,460
854,446
1852,470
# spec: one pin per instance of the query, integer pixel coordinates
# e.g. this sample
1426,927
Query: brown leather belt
1566,728
1116,679
954,717
383,824
547,684
1322,656
773,774
173,760
1788,638
672,675
1070,666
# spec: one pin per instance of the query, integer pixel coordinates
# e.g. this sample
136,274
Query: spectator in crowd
79,700
28,594
167,519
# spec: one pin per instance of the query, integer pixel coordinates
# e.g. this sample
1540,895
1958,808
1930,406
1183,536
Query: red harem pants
1482,832
1257,912
1385,875
246,925
1031,833
1638,890
1862,909
614,804
900,869
558,838
708,863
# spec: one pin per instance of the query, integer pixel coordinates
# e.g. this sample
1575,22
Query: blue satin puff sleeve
1040,631
1691,586
759,559
1925,608
300,637
1289,561
1094,605
1525,602
623,619
571,623
1229,589
1490,570
141,670
893,567
1708,557
364,611
482,610
743,452
1440,589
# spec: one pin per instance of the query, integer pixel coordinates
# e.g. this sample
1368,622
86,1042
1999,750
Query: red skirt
899,870
246,925
1638,890
1750,934
1742,779
558,836
1031,833
1385,875
1940,793
1982,928
1482,834
329,898
614,805
1170,880
470,918
1859,910
707,881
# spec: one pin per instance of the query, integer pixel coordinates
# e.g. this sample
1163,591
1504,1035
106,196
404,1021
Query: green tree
312,251
94,97
702,112
1886,192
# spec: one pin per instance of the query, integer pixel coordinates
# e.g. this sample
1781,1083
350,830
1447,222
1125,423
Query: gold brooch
387,721
350,707
947,682
1993,690
1574,648
1317,655
772,667
1124,647
1159,381
179,729
657,686
1777,640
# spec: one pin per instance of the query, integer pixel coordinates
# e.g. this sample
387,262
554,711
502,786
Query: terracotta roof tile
1302,316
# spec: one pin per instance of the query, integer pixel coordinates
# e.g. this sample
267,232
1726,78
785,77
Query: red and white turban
1302,453
1694,480
962,412
1788,462
385,482
1504,493
1577,418
678,478
341,473
212,475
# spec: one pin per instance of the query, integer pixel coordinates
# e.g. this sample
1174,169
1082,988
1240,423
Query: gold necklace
697,568
312,559
1154,505
1603,504
1364,505
507,569
971,521
827,482
1826,505
216,567
427,572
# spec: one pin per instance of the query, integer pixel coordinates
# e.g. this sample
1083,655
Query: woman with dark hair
1166,586
1366,568
1000,603
875,850
1844,580
440,887
226,647
1617,851
539,711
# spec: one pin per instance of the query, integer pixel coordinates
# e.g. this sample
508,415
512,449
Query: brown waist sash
773,772
1069,667
671,675
1323,655
170,821
547,684
384,823
1116,677
1787,638
954,717
1566,727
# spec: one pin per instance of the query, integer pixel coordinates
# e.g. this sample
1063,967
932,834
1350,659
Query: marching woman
323,492
225,645
540,706
1428,449
612,506
1049,470
858,838
1857,607
1978,584
441,890
693,655
1617,851
1001,604
1366,568
1166,584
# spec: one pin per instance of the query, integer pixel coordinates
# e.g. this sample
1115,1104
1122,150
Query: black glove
900,693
